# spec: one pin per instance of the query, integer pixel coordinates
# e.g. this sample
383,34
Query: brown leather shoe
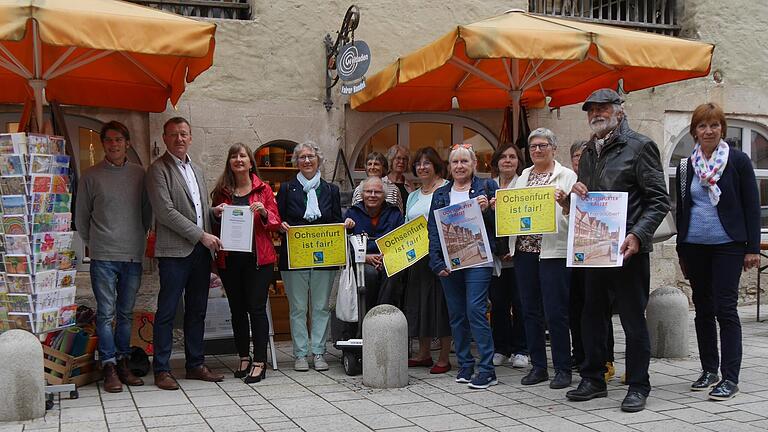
202,373
126,375
111,381
165,381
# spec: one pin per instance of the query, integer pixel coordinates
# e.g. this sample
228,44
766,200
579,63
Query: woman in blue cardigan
718,225
466,290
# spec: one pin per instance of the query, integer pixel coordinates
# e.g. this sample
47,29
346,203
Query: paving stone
383,420
518,411
359,406
207,401
160,398
395,396
554,423
173,420
81,414
730,426
325,423
232,424
170,410
279,426
199,427
294,408
446,422
610,426
123,417
667,425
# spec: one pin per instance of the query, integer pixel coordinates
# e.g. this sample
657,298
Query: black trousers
714,272
629,288
508,330
247,287
576,306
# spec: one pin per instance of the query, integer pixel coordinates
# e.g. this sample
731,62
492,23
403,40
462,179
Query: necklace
431,188
245,189
462,187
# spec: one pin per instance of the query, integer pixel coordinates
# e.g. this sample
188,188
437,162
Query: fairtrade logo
578,257
318,257
237,212
456,261
411,255
525,223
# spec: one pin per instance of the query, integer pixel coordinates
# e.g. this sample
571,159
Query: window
658,16
415,131
747,137
226,9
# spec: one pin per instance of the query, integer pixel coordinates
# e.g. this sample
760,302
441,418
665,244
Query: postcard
18,283
21,321
66,260
46,261
37,143
13,143
12,165
597,226
45,280
66,278
14,204
15,224
41,203
42,222
463,237
60,164
62,222
60,184
17,264
17,245
61,203
58,145
41,183
14,185
47,320
21,303
67,315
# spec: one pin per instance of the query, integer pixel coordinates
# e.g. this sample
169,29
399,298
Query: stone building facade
267,85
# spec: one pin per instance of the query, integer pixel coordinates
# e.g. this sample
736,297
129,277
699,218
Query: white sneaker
320,363
519,361
499,359
301,364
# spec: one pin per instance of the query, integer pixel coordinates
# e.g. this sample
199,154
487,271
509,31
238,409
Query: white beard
601,126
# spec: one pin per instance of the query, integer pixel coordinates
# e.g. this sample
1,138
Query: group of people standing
531,290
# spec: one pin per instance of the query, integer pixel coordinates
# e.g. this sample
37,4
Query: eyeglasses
422,164
402,159
462,145
535,147
306,158
373,192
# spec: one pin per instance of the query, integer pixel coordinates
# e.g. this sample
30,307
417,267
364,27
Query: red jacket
262,239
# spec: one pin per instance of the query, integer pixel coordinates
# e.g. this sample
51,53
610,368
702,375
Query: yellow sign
404,245
529,210
316,246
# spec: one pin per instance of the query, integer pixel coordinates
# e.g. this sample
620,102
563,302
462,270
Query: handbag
346,299
667,227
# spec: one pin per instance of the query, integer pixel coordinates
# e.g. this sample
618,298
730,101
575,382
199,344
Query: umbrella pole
38,86
515,94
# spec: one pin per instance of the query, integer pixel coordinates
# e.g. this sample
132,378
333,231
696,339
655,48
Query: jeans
508,329
308,290
544,286
629,288
247,287
114,285
190,276
466,294
714,272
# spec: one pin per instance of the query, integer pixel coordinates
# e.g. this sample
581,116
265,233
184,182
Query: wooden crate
64,364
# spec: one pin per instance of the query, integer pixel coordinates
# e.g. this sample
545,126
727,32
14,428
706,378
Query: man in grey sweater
112,216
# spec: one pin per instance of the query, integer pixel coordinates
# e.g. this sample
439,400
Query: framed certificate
237,229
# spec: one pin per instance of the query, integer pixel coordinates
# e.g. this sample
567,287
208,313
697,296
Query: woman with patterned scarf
718,225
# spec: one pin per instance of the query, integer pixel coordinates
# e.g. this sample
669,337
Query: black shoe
562,379
633,402
252,378
724,390
242,372
587,390
535,376
705,381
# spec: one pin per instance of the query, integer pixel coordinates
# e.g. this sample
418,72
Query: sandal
258,372
241,372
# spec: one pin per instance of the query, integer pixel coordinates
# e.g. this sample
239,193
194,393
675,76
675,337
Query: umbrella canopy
100,53
520,58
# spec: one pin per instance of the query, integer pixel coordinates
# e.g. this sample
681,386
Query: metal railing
656,16
226,9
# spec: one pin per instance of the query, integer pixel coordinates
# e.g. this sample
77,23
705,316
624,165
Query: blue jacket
292,203
389,219
739,206
442,198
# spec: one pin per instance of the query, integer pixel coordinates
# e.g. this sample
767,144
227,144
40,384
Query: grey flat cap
604,95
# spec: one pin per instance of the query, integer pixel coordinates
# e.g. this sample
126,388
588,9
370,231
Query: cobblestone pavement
328,401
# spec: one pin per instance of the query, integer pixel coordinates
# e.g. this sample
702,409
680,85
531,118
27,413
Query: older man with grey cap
618,159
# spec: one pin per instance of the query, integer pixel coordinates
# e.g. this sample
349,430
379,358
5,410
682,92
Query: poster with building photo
598,226
463,237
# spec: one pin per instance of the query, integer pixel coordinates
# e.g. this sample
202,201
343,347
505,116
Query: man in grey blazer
184,245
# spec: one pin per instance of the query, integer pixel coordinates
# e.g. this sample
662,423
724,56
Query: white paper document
597,226
237,229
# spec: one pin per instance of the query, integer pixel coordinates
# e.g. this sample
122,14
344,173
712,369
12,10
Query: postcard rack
37,260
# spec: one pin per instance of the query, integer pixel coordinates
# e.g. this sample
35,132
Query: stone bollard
385,348
21,376
667,317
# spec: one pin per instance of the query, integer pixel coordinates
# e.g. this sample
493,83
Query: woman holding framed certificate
246,275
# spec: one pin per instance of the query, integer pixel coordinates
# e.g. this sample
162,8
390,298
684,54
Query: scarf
310,188
709,171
